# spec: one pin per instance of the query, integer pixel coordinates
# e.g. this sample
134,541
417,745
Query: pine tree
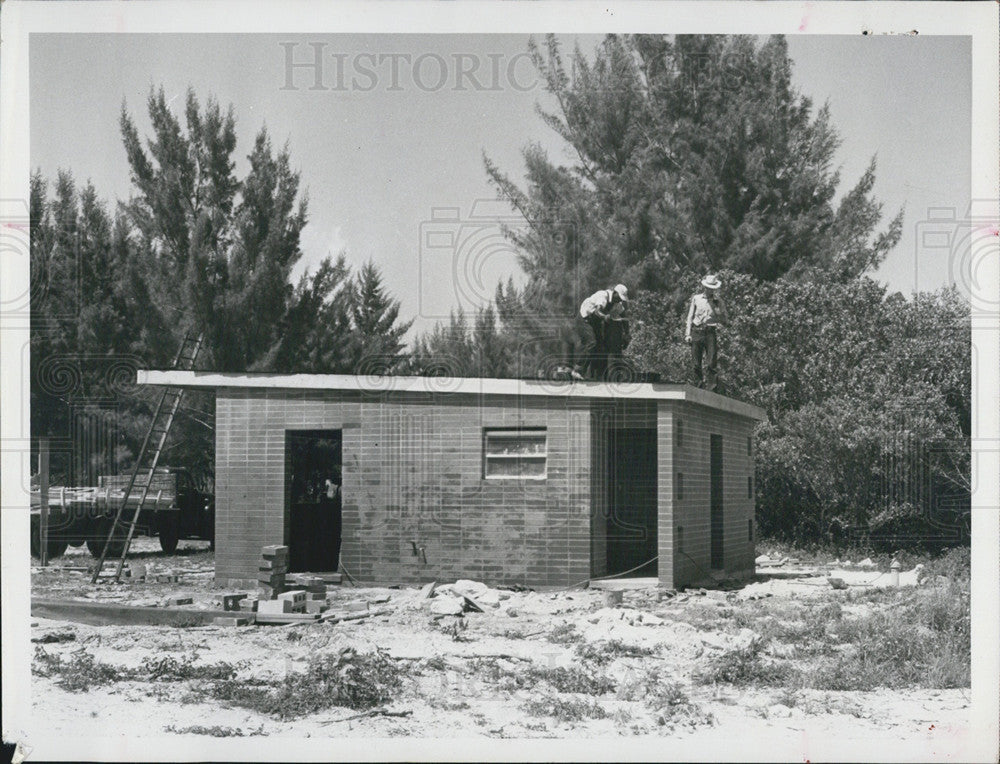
375,318
690,154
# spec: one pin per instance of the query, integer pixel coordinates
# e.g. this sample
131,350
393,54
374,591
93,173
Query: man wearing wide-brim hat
706,314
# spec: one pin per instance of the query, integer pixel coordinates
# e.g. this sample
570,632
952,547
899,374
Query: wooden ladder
149,454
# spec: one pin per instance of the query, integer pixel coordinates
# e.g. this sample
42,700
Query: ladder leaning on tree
149,454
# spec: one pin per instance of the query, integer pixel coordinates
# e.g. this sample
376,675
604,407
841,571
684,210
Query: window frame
513,433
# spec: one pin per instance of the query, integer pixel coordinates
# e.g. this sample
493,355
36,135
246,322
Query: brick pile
271,571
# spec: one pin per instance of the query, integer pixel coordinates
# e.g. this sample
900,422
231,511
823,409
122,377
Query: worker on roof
706,313
596,310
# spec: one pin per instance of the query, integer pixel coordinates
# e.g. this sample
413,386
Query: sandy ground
443,694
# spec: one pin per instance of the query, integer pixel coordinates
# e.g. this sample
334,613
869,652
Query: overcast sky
400,129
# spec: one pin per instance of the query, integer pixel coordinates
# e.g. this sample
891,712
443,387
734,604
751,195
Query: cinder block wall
412,471
689,456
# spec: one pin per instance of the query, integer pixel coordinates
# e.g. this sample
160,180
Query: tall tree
690,154
375,316
195,248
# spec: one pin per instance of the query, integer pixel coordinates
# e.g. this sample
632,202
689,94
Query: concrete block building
534,482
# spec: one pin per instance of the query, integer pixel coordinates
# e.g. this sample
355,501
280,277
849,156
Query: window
514,453
749,486
680,486
680,433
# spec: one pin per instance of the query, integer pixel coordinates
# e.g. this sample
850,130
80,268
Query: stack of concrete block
272,570
274,607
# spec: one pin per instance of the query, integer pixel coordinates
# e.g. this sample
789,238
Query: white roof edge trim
467,385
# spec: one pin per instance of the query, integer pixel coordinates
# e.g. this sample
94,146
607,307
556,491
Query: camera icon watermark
967,246
463,259
21,300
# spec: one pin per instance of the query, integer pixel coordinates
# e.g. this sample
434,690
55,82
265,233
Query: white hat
711,281
622,291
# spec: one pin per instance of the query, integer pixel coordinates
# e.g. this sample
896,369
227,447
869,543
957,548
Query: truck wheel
168,531
56,546
100,534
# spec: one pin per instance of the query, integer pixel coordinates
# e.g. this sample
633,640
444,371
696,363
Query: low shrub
601,653
560,678
564,633
78,674
358,681
565,709
744,666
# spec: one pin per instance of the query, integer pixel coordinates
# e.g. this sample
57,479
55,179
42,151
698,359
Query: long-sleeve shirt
705,312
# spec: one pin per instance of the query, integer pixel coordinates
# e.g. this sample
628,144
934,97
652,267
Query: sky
389,135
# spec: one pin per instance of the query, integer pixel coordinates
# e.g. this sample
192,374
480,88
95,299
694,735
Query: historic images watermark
322,66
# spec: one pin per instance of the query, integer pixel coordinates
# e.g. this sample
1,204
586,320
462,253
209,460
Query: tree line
690,154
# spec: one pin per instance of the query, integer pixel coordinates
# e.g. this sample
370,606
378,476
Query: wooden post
43,497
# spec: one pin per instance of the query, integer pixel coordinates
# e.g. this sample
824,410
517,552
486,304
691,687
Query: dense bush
868,403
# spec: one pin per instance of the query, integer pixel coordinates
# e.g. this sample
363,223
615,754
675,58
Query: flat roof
446,385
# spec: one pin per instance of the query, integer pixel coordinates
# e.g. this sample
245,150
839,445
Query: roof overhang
452,385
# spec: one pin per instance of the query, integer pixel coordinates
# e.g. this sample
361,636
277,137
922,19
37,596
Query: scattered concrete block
273,551
297,597
837,583
613,598
316,596
178,601
231,601
137,570
167,578
274,607
427,591
248,605
231,621
316,606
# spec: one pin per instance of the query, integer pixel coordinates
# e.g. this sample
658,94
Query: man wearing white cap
706,313
596,311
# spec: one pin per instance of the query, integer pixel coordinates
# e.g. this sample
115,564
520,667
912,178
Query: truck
174,509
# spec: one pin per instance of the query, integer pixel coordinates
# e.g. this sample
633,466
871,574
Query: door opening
313,477
715,502
632,501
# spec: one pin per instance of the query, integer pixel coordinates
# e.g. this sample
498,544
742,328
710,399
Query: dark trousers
597,359
704,356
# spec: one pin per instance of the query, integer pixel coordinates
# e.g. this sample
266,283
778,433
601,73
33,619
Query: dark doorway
632,510
715,500
313,476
